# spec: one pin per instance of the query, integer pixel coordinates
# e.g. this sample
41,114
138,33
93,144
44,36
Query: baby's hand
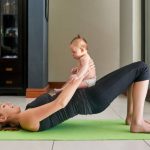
74,77
74,70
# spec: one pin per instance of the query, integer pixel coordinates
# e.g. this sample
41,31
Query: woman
46,111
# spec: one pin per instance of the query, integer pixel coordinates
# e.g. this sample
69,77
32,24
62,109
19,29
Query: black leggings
96,98
115,83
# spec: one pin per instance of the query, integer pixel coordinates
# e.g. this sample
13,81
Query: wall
126,38
136,30
147,32
130,31
97,21
147,29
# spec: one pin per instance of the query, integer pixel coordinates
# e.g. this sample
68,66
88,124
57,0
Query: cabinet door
13,46
9,29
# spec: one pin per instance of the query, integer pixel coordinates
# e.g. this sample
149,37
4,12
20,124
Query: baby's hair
81,38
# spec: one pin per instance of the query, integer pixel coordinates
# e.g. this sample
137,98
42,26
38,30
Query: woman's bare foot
128,120
143,127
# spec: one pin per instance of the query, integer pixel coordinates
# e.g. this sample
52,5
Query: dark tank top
79,104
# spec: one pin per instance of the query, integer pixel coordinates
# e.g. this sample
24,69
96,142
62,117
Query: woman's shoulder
27,122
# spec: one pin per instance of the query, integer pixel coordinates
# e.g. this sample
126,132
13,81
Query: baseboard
31,93
34,92
53,85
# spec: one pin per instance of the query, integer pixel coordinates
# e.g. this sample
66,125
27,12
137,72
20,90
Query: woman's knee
142,64
143,71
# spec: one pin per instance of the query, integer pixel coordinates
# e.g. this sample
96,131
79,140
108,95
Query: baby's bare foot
147,121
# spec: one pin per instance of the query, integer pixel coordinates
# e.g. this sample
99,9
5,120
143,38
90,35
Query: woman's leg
139,94
115,83
129,105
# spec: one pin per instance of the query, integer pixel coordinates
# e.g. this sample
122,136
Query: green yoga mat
79,130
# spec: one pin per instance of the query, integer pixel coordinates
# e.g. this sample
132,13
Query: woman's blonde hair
6,127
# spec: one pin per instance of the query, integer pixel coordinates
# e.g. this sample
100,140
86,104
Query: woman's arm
30,118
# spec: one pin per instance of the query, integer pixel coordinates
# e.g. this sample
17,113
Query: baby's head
78,47
79,39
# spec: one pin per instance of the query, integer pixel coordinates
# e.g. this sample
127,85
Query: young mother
46,112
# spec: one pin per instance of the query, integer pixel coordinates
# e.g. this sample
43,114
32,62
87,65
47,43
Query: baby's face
78,48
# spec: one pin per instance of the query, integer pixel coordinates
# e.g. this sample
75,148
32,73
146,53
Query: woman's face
9,108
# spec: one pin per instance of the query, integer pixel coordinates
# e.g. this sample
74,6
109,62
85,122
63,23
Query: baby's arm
73,77
57,90
78,73
74,71
84,64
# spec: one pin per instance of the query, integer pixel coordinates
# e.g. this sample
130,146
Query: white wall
126,46
97,21
147,33
130,31
136,30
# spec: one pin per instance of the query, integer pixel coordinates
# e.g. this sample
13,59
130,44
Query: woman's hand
74,77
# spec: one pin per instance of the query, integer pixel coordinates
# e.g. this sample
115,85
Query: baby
85,67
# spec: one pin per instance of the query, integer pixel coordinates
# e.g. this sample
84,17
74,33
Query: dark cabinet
13,46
